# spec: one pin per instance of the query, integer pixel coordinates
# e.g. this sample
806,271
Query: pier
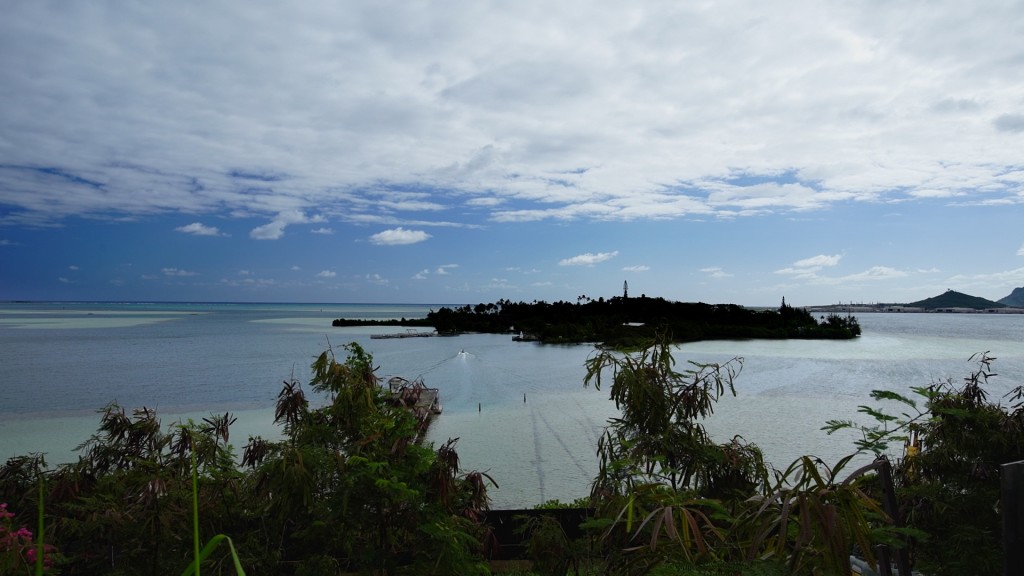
424,403
409,333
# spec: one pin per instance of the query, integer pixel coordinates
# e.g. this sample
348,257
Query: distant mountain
954,299
1015,299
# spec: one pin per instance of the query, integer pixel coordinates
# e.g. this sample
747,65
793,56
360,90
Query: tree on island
624,322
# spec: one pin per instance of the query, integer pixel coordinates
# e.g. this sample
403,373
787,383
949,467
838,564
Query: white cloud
72,267
409,205
716,272
443,269
474,118
1020,251
326,274
764,196
811,272
818,261
274,229
421,275
377,279
500,284
399,236
637,268
1009,123
588,259
442,127
248,282
270,231
488,202
808,268
324,231
199,229
177,272
1004,278
811,275
874,273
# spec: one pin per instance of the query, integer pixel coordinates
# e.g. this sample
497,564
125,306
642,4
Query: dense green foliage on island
624,321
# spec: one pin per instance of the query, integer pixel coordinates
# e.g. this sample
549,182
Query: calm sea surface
59,363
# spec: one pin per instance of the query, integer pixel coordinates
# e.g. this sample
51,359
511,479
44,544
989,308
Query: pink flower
17,547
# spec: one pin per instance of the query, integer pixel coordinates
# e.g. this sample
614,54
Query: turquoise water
61,362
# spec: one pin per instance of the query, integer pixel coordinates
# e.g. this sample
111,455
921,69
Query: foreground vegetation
622,321
350,489
347,489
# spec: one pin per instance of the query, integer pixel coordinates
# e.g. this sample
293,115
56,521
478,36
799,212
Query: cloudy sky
463,152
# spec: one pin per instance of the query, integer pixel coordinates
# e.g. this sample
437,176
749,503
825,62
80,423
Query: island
948,302
627,321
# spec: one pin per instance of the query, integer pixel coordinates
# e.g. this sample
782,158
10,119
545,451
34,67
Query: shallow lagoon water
62,362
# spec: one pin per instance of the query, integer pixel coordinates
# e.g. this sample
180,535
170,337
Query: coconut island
624,321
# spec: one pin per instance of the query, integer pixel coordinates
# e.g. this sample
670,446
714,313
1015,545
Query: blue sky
468,152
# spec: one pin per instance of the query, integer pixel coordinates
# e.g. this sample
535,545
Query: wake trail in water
561,442
437,365
594,430
538,459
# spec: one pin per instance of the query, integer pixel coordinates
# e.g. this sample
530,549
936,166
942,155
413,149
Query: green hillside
1015,299
954,299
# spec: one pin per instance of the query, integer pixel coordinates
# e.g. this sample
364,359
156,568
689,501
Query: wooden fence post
1012,506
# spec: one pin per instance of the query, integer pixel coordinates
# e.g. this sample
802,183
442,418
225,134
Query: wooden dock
424,403
409,333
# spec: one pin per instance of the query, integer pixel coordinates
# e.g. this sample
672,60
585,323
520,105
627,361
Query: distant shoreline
831,308
218,303
895,309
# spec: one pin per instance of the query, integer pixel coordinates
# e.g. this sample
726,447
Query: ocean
519,409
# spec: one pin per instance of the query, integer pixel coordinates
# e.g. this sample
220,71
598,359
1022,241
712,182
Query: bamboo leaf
208,549
783,524
698,537
880,416
889,395
659,518
670,528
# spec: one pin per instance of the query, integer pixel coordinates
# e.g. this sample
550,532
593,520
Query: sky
463,152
